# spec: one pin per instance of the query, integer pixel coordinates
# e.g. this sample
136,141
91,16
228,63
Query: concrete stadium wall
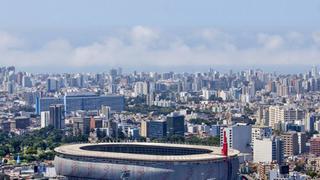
216,169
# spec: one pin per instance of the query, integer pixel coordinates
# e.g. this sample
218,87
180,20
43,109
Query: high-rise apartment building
302,140
44,119
279,114
309,122
52,85
57,116
175,124
315,145
291,143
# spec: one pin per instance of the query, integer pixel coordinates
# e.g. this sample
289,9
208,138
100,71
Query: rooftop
145,151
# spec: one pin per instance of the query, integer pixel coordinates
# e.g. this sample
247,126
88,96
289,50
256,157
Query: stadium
137,160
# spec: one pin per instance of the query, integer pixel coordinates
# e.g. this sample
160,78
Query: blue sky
160,13
36,34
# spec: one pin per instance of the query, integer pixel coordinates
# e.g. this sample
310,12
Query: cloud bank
146,46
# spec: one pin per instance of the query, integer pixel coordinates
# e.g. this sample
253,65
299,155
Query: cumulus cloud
216,38
270,41
9,41
140,33
145,46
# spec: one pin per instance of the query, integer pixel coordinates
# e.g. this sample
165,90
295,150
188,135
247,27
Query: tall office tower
157,129
153,129
267,150
26,81
309,122
315,72
10,87
45,118
175,124
113,73
106,111
19,78
291,143
52,85
57,116
315,145
81,125
238,136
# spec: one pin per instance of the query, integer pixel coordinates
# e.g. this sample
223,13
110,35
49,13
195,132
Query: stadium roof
78,150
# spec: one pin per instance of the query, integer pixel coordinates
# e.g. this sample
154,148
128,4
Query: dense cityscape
159,90
270,122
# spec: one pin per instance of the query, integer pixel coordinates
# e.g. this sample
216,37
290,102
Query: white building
267,150
45,116
309,122
317,126
238,137
284,114
140,88
207,94
259,132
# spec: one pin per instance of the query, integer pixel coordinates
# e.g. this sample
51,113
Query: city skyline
161,89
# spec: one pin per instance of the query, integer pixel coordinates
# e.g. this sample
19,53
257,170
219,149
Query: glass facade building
81,102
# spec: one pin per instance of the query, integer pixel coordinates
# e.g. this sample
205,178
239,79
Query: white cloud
216,38
143,46
316,37
270,41
9,41
143,35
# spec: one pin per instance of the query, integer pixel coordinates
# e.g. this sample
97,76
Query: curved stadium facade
145,161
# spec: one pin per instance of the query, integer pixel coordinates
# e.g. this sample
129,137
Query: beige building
283,114
143,129
290,143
